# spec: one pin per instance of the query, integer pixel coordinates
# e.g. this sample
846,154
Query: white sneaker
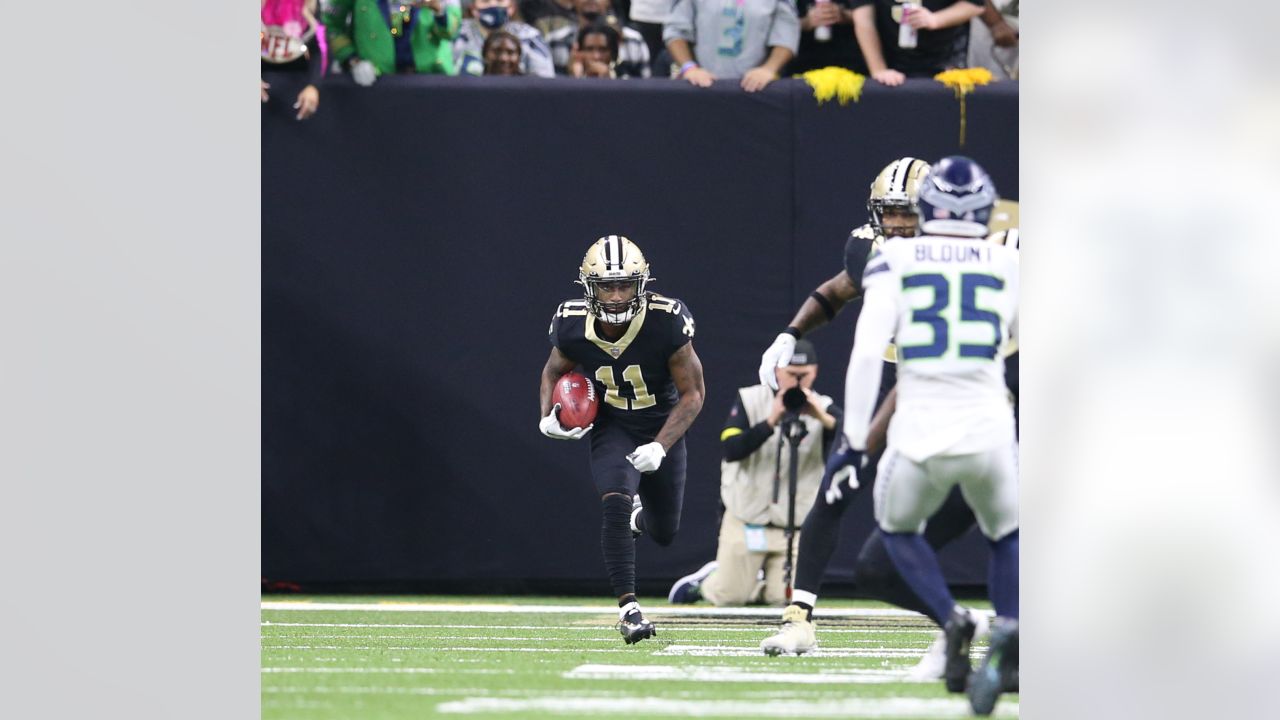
796,636
982,624
933,663
688,588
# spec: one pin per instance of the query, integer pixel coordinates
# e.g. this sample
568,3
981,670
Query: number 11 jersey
632,371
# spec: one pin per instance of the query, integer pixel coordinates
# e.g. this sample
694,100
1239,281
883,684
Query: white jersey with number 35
951,305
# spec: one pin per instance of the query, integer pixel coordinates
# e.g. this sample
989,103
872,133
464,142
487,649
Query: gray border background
1150,382
129,345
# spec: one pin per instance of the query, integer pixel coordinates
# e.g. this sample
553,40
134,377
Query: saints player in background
891,208
949,301
637,346
893,212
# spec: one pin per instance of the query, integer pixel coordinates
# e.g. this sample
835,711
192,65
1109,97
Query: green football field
521,657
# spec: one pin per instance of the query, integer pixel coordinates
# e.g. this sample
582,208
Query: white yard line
578,609
722,674
657,650
917,646
766,629
722,651
453,648
843,708
373,690
389,671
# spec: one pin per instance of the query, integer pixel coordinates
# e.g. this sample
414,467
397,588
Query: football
578,400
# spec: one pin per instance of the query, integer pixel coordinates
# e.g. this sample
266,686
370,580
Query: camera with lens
793,399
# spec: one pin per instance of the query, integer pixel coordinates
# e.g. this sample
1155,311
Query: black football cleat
959,636
999,669
634,632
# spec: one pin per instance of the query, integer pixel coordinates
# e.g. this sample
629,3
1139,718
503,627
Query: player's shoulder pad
862,243
681,317
662,303
572,308
864,232
565,310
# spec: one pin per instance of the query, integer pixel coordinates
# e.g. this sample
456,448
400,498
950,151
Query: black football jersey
631,372
861,243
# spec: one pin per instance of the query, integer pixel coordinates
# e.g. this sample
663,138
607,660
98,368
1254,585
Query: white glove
843,478
778,355
363,72
647,458
550,426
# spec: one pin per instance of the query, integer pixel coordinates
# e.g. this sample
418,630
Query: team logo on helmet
611,260
956,198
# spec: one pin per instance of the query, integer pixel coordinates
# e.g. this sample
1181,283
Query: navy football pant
661,492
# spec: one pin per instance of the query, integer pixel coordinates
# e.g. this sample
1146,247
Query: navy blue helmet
956,198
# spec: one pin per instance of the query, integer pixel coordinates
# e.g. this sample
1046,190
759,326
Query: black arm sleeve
740,446
738,439
315,62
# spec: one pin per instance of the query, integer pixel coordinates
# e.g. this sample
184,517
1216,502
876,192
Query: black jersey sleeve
678,319
553,331
857,250
566,314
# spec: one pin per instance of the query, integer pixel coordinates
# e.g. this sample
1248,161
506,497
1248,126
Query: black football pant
661,492
820,533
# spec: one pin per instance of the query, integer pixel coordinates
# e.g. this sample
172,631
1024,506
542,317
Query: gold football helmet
610,261
896,187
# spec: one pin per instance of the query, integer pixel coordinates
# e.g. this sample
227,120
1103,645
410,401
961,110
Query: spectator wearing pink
293,40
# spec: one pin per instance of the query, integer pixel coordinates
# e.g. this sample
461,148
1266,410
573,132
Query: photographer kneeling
755,478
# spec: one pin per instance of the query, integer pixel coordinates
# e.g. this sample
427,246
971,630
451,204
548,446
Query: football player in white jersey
950,301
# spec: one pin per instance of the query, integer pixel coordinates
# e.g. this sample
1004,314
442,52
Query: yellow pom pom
963,80
835,82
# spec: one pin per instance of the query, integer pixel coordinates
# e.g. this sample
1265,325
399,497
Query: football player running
950,300
891,208
638,347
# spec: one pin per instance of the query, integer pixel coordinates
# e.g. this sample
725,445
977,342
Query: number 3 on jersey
934,315
633,377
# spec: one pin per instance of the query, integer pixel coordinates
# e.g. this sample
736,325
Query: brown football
578,400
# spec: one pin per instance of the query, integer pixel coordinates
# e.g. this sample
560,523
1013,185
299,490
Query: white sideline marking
340,671
592,628
582,609
713,673
450,648
393,671
726,651
848,707
376,690
504,638
917,647
277,687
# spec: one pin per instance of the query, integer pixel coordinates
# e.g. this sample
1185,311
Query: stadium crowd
697,41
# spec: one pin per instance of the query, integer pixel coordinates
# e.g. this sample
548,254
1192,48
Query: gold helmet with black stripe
613,263
895,190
